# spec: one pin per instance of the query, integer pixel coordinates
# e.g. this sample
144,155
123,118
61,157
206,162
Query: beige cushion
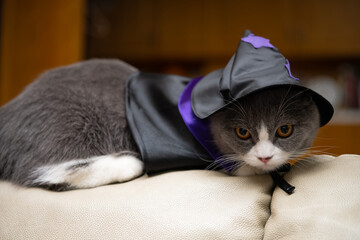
176,205
194,205
326,204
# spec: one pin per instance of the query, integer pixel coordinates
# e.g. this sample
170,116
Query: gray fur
272,107
72,112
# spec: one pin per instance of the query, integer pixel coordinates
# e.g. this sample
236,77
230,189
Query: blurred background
191,37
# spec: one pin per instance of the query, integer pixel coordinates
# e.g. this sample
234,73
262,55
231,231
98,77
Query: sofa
195,204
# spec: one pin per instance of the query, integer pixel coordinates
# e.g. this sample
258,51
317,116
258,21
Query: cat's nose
265,159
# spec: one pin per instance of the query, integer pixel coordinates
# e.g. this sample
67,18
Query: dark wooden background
186,37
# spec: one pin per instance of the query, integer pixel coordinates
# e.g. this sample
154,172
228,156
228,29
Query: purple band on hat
287,65
257,41
199,127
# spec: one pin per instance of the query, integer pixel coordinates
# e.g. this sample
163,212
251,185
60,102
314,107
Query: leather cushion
325,204
191,204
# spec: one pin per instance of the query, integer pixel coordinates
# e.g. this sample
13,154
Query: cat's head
268,128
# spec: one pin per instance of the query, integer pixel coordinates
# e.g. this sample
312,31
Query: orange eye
285,131
242,133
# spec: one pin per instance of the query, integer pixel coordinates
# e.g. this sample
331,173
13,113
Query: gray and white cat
68,129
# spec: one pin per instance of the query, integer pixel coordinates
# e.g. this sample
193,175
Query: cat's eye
242,133
285,131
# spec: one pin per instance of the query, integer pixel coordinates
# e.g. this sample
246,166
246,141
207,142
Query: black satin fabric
152,112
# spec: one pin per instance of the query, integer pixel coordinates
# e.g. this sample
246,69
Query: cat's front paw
130,167
247,171
88,173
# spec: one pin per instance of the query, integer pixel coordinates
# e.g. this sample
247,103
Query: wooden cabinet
38,35
204,29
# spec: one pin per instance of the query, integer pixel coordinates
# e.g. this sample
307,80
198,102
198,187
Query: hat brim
206,107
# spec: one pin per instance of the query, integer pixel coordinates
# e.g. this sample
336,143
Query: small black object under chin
280,181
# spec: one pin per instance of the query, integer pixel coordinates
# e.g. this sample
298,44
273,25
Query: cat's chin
248,170
272,165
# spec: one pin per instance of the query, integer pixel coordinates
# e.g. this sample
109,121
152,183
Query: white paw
129,168
110,169
92,172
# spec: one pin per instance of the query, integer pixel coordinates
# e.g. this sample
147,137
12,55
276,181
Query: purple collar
199,128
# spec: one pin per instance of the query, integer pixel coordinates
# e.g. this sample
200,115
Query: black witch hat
256,65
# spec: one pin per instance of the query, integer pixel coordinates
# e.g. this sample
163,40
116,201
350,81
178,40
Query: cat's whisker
217,163
236,107
284,106
237,166
228,158
213,166
322,146
233,159
302,164
319,150
322,151
325,138
305,157
239,108
293,97
283,101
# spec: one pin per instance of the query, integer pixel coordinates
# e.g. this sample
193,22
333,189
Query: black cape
164,141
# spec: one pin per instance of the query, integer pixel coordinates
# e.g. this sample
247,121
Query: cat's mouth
266,163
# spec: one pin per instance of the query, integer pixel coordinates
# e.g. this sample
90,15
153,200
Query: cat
68,129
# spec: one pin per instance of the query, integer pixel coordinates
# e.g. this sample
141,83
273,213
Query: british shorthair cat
68,129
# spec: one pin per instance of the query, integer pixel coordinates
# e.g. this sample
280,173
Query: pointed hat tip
247,32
